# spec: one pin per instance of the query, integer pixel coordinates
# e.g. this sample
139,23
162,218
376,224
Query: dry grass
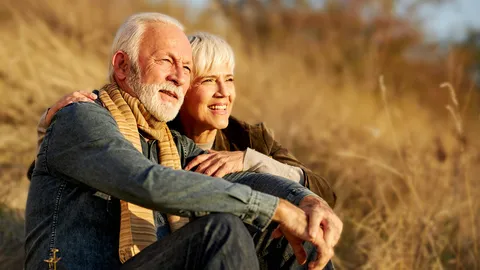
404,166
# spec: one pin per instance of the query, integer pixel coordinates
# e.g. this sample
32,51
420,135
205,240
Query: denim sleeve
84,146
271,184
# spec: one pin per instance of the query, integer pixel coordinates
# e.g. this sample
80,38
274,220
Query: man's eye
230,80
187,68
166,60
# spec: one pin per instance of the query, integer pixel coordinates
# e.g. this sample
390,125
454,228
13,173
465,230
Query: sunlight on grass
345,96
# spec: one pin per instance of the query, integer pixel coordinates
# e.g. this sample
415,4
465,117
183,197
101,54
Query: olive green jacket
239,136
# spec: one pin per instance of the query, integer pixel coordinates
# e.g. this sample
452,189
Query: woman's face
209,100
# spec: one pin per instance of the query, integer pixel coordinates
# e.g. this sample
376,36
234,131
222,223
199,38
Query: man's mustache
177,90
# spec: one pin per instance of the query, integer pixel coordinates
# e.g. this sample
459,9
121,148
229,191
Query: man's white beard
149,95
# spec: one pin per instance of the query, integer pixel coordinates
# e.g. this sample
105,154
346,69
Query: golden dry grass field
401,150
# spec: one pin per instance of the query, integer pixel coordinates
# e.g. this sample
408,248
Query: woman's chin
219,124
218,121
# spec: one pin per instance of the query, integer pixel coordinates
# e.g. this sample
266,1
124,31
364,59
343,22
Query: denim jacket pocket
107,199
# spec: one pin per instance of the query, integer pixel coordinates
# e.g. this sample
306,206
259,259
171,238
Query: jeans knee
227,225
227,237
226,220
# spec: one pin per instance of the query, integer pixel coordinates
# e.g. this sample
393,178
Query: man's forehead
160,37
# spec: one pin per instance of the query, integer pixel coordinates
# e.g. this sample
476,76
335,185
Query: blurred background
381,97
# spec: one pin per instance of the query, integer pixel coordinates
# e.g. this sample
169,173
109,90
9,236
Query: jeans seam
46,140
55,215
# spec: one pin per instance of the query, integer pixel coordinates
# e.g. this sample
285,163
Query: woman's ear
121,65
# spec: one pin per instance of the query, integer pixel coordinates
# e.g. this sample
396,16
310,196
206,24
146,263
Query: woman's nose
223,89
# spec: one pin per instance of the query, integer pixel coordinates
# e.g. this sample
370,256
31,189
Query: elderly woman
205,117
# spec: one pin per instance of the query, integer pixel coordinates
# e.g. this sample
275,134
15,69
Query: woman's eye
208,81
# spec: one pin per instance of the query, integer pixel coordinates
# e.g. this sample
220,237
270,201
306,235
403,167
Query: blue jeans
203,243
275,253
219,241
216,241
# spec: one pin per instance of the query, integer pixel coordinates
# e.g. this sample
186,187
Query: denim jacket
83,155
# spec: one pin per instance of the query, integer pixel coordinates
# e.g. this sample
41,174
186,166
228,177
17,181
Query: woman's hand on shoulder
217,163
82,95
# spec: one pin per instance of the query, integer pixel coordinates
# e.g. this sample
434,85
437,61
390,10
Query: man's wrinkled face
162,76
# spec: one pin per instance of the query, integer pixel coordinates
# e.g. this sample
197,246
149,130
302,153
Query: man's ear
121,65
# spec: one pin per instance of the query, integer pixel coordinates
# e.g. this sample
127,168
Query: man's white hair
129,35
209,52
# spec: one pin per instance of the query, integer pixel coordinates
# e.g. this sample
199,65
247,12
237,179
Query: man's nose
178,76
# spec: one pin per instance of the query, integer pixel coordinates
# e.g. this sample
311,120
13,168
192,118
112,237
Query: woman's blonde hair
209,51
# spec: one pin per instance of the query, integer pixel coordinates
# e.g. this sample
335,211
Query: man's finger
298,249
314,220
324,252
197,160
332,228
299,252
323,260
328,233
277,233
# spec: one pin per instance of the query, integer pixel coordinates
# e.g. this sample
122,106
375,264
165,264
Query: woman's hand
217,163
77,96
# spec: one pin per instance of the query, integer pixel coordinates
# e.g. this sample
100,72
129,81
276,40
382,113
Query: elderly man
92,190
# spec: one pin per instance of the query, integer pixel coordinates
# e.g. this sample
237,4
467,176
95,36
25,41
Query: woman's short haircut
209,52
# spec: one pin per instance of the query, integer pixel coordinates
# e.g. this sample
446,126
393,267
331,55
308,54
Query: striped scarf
137,226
